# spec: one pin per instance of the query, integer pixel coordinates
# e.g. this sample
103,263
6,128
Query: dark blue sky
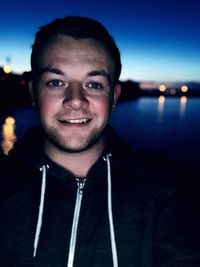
158,40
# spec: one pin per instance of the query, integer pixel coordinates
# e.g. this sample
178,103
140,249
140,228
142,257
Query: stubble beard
66,144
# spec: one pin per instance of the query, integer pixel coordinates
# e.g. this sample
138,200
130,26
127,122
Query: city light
184,88
7,69
162,88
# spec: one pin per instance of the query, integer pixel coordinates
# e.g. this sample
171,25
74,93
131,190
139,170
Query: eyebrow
99,73
60,72
51,70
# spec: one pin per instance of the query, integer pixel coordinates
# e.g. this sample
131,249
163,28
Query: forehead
64,49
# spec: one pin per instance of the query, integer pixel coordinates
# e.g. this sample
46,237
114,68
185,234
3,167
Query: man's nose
75,97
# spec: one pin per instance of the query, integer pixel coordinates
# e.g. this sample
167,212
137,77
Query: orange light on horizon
184,88
7,69
162,88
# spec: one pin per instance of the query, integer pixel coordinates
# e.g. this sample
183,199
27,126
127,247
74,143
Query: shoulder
153,173
176,227
15,175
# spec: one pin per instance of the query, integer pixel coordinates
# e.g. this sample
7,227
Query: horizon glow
158,40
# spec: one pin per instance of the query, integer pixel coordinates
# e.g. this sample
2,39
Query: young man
74,195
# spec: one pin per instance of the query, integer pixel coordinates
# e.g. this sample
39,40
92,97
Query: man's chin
73,149
76,147
74,144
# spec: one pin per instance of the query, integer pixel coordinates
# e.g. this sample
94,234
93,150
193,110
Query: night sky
158,40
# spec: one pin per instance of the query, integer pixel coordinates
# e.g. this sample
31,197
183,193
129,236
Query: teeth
77,121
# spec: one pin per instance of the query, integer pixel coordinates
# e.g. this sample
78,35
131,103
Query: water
168,126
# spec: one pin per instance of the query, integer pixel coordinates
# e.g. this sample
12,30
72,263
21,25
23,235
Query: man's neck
77,163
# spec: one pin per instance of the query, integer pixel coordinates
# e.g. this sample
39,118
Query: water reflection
183,103
8,135
161,105
161,102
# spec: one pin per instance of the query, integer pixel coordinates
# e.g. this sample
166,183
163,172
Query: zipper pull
81,184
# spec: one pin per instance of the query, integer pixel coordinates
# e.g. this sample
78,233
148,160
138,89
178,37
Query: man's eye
95,85
54,83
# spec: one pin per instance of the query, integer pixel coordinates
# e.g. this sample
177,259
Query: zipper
79,195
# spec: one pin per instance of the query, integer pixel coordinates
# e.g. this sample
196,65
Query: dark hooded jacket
124,213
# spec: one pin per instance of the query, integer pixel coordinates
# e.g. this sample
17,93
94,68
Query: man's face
74,93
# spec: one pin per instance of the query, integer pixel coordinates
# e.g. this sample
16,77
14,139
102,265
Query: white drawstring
110,215
41,208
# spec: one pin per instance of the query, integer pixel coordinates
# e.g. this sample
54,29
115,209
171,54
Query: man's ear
31,90
117,92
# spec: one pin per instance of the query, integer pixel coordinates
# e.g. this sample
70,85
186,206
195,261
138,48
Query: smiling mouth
76,121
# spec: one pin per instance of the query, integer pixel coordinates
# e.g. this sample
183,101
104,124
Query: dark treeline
14,91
